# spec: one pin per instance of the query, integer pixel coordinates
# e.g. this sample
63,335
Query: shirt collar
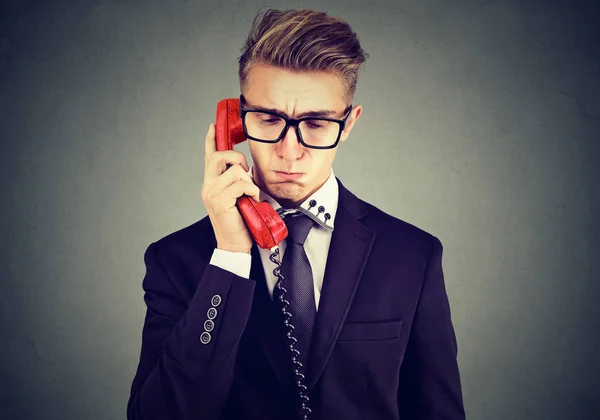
321,206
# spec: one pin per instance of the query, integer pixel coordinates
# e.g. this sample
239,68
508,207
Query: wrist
234,248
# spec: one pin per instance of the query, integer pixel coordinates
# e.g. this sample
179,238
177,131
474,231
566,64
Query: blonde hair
303,40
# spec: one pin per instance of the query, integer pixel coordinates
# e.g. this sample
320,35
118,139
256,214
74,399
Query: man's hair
303,40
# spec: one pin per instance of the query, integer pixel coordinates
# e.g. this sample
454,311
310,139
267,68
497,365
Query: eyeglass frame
294,123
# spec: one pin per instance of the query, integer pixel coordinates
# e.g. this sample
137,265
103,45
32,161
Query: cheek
260,152
322,161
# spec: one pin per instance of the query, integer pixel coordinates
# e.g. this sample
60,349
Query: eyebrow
314,114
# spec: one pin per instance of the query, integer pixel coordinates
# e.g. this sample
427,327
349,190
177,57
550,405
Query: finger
256,195
210,144
237,189
230,176
218,162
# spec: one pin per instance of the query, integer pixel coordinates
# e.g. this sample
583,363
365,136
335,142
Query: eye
269,119
314,124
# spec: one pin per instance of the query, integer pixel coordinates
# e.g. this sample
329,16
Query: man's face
287,170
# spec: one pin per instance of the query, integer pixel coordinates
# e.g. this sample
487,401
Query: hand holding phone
225,179
229,195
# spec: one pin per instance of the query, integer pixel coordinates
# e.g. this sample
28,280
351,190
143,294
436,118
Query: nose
289,147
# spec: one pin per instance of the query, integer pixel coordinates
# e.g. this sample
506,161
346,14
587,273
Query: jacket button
209,325
205,338
216,300
212,313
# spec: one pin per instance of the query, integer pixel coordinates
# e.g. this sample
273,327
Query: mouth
289,175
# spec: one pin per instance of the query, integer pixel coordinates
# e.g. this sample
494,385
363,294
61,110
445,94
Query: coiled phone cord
298,367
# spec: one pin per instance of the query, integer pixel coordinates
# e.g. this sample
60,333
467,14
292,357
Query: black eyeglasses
270,127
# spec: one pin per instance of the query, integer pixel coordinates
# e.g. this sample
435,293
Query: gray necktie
298,281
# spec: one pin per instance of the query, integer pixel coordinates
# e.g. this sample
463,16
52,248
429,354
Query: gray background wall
481,125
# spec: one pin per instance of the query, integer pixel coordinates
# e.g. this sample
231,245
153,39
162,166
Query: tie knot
298,228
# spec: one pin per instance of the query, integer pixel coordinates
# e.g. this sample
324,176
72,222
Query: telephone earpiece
265,225
228,124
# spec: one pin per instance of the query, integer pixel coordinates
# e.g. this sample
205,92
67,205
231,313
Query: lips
289,175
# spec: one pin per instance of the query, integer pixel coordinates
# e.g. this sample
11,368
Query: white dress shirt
325,201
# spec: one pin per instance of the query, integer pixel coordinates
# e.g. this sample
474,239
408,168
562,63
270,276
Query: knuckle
242,187
217,159
239,171
210,194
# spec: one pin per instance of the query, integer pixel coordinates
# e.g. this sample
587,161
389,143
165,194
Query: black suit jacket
383,346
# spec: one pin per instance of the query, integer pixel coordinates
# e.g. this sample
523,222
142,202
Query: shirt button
212,313
216,300
209,325
205,338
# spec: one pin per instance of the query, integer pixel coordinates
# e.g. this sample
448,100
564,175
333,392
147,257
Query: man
372,334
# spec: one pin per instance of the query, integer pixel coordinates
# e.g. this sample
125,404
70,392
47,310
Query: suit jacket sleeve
179,377
429,378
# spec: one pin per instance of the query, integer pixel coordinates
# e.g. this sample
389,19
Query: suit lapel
351,244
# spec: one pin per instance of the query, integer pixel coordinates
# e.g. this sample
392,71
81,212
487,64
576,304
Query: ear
354,115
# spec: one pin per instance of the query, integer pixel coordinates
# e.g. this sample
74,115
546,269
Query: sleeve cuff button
212,313
209,325
216,300
205,338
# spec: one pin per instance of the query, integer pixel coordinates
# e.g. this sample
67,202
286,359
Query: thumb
256,196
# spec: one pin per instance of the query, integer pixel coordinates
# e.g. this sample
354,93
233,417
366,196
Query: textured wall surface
481,125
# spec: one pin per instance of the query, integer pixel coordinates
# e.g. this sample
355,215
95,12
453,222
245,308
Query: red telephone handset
265,225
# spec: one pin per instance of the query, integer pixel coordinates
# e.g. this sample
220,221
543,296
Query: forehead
294,91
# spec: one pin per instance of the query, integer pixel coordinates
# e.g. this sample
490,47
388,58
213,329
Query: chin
286,191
